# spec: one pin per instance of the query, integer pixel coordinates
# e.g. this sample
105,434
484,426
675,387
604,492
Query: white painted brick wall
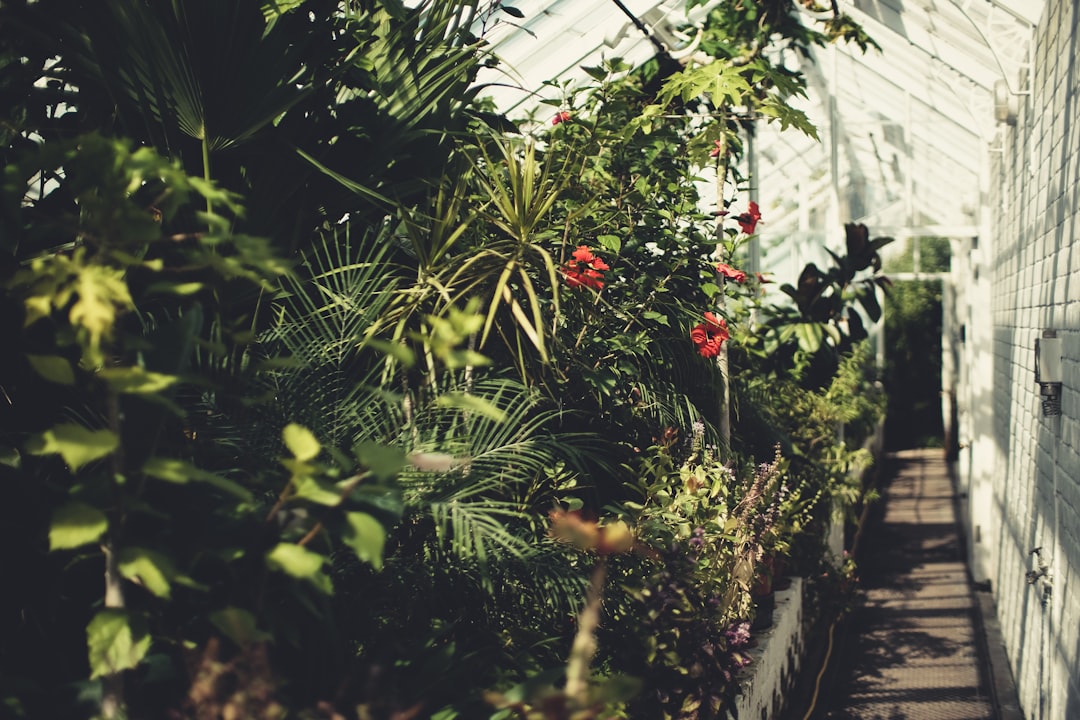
1033,261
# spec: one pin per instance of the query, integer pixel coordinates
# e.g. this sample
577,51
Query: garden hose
821,673
832,626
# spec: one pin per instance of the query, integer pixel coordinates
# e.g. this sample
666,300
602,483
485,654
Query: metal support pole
753,249
722,358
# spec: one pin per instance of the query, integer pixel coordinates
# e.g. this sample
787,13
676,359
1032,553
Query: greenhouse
540,359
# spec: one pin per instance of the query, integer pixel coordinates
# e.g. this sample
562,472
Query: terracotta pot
764,606
763,579
781,580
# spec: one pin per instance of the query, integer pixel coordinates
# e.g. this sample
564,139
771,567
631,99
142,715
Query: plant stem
206,166
112,698
581,653
722,358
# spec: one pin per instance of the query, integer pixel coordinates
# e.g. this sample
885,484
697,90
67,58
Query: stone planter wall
771,679
771,676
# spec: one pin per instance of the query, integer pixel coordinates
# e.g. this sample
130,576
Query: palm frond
322,319
494,501
212,70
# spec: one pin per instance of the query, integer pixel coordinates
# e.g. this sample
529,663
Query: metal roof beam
926,41
902,232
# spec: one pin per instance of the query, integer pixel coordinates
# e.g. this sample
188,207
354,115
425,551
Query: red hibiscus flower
585,269
709,336
748,220
731,273
560,117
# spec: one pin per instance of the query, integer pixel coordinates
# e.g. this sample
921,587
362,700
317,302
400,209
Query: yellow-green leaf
77,445
136,380
238,625
76,524
10,456
315,490
53,368
115,641
301,563
384,461
367,537
180,472
170,288
810,335
102,292
456,359
273,8
402,353
148,568
37,307
301,443
471,403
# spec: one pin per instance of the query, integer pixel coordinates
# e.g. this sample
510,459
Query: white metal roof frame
904,131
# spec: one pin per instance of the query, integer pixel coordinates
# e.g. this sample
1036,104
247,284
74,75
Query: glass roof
904,131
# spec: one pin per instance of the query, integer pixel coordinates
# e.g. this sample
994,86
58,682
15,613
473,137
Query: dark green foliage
913,318
826,320
913,364
300,368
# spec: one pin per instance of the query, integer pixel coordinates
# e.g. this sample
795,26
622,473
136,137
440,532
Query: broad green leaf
788,116
810,336
456,359
238,625
76,524
402,353
596,73
168,288
315,490
573,504
301,563
301,443
869,301
383,461
136,380
471,403
102,293
396,9
77,445
53,368
116,641
366,536
180,472
610,242
148,568
273,8
10,456
658,317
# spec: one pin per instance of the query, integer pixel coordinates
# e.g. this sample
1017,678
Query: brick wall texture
1033,263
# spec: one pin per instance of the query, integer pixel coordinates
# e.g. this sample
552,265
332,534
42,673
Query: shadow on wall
1011,505
1058,467
1057,463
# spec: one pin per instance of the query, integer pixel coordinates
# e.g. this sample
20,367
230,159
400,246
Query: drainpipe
753,260
645,30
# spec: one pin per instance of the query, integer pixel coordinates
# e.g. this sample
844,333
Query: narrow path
910,650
